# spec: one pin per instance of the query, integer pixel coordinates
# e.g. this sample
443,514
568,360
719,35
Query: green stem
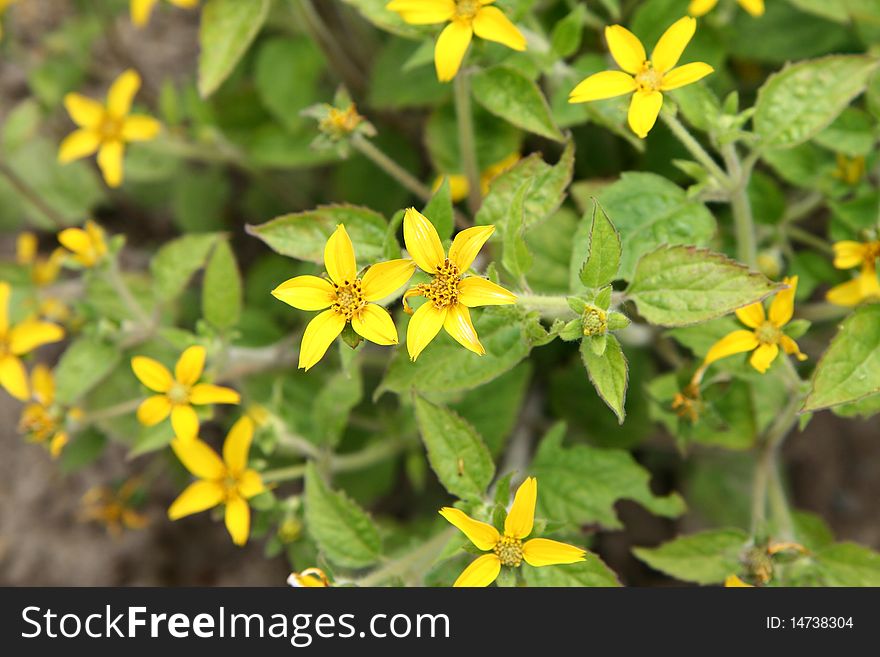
32,196
743,221
467,144
695,148
415,561
369,150
124,293
779,504
370,455
110,412
549,306
798,234
337,56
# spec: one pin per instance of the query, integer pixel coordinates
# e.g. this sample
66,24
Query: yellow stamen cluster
39,422
767,333
595,321
509,551
339,123
443,290
349,298
466,9
648,78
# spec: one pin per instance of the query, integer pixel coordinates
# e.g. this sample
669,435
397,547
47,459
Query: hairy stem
32,196
369,150
114,275
410,562
110,412
695,148
467,144
370,455
743,221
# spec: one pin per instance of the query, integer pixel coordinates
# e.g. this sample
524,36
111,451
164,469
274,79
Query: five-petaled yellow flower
703,7
465,18
310,578
225,481
508,549
766,335
87,245
41,419
346,298
18,340
450,294
865,286
106,129
178,393
141,9
644,78
113,508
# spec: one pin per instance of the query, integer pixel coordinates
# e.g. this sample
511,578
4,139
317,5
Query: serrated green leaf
704,558
603,256
228,27
84,364
591,572
175,263
608,372
509,94
222,289
439,210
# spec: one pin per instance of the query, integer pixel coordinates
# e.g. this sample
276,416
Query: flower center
872,251
648,78
509,551
38,421
339,123
443,290
178,394
595,321
466,9
767,333
110,128
349,298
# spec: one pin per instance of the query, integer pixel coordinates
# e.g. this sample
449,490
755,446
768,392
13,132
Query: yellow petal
250,483
521,516
43,384
790,347
140,11
190,365
26,248
152,373
673,42
423,327
782,306
207,393
306,293
238,520
31,334
5,293
85,112
79,143
625,47
198,496
237,446
846,294
481,572
373,323
467,245
451,46
339,260
59,440
643,111
733,343
385,278
197,457
491,24
110,162
474,291
701,7
732,581
848,254
184,422
140,128
763,357
320,332
752,315
754,7
481,534
153,410
545,552
13,377
458,324
422,241
122,93
75,240
419,12
599,86
683,75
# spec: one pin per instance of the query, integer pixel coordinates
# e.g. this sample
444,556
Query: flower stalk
467,145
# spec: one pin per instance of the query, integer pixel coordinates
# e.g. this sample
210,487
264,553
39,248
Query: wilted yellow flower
465,18
88,245
459,187
310,578
228,481
849,169
18,340
340,122
508,549
702,7
106,130
113,508
732,581
865,286
644,78
43,271
346,298
178,393
766,336
450,294
141,9
41,419
687,403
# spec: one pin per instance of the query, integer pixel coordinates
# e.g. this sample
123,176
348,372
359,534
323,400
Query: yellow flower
340,122
465,18
310,578
113,508
178,393
41,419
458,183
87,245
703,7
228,481
449,294
106,130
644,78
732,581
43,271
346,298
766,336
508,549
18,340
141,9
865,286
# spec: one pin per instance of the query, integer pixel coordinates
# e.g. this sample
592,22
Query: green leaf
457,454
509,94
608,373
581,484
649,211
848,564
199,200
222,289
516,257
84,364
802,99
227,30
332,405
681,285
850,369
603,256
592,572
343,531
439,210
567,33
85,447
286,76
176,261
705,558
303,235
